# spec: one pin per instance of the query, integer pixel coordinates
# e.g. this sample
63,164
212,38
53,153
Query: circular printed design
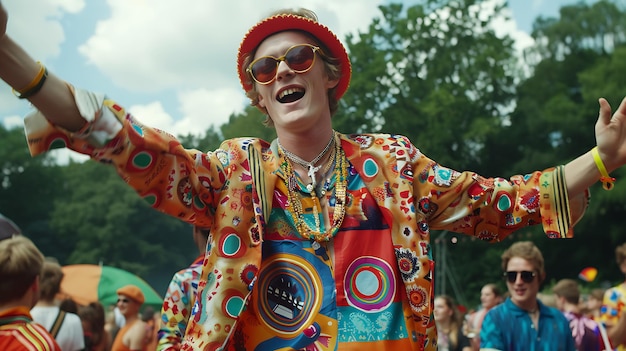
140,160
408,263
153,198
443,176
184,191
288,294
223,157
370,168
232,303
418,298
248,273
57,141
370,284
137,128
230,244
504,202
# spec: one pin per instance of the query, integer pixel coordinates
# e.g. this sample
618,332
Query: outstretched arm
610,132
18,69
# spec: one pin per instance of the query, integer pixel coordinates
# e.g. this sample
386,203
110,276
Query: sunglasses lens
300,58
511,276
264,70
527,276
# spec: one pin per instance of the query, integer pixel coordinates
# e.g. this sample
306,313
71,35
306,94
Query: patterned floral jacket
230,190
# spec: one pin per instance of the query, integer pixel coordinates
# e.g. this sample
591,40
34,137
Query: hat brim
285,22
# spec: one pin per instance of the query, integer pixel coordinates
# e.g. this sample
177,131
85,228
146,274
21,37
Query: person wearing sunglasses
132,336
319,240
522,322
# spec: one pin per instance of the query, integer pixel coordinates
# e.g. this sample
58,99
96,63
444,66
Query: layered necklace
338,159
310,166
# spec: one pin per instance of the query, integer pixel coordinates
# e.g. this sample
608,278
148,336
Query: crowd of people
32,315
316,245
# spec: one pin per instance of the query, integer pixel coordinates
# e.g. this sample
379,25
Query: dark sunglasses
527,276
123,300
299,58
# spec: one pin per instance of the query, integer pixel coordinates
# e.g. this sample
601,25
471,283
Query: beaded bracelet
607,181
35,85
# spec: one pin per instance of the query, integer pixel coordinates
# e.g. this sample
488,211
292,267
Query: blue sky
172,64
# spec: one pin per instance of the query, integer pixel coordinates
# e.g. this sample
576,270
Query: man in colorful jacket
319,240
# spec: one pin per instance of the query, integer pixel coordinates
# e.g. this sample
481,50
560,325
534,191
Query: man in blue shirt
522,322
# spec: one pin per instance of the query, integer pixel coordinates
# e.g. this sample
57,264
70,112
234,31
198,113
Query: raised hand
611,134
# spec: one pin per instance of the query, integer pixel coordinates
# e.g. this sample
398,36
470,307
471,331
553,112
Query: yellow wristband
607,181
34,85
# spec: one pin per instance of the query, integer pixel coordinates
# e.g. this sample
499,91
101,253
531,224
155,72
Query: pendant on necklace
319,250
311,173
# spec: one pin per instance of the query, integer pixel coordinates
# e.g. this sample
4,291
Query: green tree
249,123
436,73
26,186
106,222
577,59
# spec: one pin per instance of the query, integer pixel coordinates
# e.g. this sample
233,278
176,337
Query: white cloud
202,108
154,115
160,44
30,21
503,26
11,122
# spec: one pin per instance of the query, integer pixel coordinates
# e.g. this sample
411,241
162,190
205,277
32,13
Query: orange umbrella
86,283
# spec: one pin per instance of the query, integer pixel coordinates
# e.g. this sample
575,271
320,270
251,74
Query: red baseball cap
284,22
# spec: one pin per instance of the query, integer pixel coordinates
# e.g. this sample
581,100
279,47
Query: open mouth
290,95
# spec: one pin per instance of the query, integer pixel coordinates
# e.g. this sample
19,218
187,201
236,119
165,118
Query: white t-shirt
70,336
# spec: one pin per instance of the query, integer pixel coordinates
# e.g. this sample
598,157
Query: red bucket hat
283,22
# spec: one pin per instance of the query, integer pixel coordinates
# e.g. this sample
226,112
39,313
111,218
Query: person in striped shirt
20,267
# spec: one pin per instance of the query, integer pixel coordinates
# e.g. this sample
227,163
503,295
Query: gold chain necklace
310,166
295,205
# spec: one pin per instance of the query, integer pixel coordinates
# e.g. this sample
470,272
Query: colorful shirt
613,307
258,269
585,331
177,304
18,332
507,327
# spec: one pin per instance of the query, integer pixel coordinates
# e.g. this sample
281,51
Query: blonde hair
331,64
20,264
